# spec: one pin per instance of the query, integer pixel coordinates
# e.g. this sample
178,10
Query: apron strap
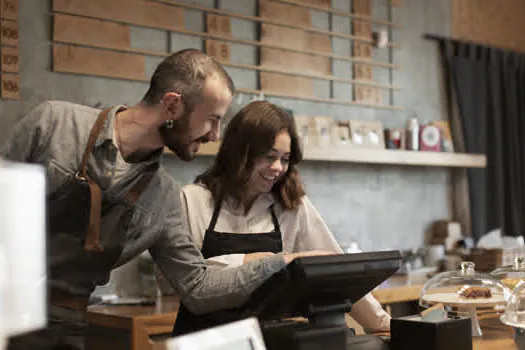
276,227
93,135
92,240
275,220
215,216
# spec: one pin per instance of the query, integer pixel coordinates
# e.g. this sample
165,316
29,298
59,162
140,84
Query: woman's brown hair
249,135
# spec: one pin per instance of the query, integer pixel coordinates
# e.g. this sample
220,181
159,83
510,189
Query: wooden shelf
262,19
379,156
395,157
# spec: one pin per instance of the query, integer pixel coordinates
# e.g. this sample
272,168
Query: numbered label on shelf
218,25
218,49
9,9
10,86
9,33
9,59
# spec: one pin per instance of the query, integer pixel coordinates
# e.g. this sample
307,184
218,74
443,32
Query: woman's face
271,167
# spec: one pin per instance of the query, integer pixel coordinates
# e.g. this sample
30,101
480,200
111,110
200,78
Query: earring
169,124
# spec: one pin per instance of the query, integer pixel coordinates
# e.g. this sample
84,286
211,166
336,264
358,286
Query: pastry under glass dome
465,291
511,275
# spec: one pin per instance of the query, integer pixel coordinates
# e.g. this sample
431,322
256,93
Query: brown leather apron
77,252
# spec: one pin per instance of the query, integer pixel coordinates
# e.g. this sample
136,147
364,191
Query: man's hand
288,258
255,256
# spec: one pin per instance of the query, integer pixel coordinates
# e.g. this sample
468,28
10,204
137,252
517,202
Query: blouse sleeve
314,235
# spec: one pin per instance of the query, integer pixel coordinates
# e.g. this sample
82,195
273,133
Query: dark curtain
489,89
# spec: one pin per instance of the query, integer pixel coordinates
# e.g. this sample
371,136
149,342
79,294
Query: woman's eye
285,160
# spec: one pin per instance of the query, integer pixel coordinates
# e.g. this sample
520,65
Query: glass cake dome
464,291
511,275
514,315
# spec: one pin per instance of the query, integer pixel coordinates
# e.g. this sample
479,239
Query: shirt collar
261,204
108,131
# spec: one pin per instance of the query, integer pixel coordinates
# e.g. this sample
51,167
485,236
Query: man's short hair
184,72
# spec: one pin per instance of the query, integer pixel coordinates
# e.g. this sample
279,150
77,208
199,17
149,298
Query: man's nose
215,131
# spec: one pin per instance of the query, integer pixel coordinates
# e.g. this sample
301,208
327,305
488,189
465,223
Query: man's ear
172,106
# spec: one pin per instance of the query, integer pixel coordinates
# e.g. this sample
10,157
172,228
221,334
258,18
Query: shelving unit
291,53
378,156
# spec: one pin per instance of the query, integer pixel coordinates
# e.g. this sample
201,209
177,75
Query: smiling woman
258,155
250,203
269,169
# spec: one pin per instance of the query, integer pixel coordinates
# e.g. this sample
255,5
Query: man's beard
178,139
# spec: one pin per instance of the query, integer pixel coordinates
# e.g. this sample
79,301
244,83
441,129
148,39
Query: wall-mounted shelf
290,53
379,156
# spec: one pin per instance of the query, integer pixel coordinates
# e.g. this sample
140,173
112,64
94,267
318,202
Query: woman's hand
288,258
255,256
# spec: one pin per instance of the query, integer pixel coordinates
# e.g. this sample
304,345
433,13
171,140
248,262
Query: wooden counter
400,288
130,327
496,336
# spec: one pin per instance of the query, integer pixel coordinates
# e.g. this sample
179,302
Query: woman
251,203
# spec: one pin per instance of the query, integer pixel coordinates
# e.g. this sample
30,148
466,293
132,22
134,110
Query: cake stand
444,288
466,306
514,315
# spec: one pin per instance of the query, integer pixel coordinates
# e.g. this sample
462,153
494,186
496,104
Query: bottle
413,135
148,280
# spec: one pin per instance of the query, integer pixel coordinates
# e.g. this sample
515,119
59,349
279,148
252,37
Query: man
109,199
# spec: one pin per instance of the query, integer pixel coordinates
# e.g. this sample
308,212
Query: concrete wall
378,206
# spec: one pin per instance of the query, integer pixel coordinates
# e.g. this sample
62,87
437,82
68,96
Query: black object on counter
318,287
409,333
322,289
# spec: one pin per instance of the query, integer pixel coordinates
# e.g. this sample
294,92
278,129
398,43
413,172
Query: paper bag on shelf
341,134
367,134
305,126
323,131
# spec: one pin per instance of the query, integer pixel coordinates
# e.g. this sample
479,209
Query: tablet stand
328,315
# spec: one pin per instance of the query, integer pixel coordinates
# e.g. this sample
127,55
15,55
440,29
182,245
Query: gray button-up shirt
55,135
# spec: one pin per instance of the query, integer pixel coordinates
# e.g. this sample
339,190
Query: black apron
222,243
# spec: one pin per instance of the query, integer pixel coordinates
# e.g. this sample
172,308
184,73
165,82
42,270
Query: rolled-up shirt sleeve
205,288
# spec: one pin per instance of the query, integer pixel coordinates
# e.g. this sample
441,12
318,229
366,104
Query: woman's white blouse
302,229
